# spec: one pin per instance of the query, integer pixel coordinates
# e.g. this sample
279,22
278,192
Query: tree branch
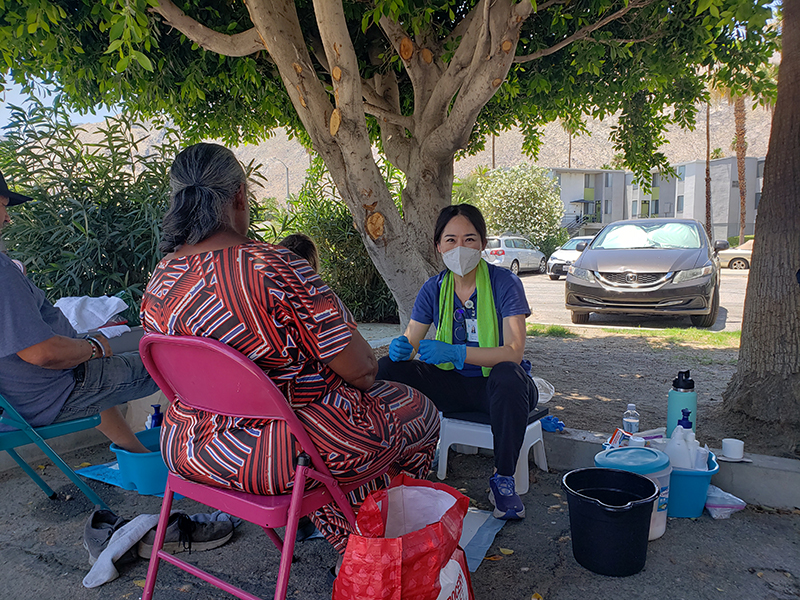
481,79
389,116
395,33
457,69
583,32
238,44
648,38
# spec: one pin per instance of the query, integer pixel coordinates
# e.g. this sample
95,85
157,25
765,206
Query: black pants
507,396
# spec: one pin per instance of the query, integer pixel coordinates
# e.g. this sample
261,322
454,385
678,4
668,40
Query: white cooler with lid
651,463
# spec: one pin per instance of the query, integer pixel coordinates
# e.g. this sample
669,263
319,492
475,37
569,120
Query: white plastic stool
453,430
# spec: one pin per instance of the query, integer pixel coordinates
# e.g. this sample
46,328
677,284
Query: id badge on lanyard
471,322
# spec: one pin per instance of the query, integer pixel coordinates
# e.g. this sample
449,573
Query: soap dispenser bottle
155,419
681,397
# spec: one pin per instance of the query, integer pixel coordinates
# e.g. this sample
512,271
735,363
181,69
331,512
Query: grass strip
557,331
691,336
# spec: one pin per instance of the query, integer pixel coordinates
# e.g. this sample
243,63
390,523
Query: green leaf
142,60
117,28
122,64
703,6
113,46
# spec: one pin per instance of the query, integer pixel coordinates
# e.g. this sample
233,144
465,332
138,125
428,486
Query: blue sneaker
507,504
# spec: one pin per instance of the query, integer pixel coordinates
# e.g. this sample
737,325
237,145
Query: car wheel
580,318
738,263
543,266
555,277
515,268
711,318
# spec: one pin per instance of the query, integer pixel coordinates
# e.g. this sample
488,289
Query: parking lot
546,298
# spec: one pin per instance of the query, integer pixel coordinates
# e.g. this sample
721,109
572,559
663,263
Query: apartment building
595,197
684,196
591,197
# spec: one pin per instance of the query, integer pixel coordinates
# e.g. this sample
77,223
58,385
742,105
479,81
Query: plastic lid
631,407
683,381
635,460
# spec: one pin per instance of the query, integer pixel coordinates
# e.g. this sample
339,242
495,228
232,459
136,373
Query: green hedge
93,226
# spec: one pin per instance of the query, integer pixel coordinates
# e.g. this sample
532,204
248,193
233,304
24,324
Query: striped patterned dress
272,307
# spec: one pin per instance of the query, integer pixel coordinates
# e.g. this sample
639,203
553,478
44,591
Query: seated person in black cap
47,372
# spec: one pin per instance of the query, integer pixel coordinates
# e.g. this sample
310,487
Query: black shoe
185,534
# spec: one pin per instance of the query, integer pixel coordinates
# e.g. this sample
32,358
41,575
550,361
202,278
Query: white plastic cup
733,448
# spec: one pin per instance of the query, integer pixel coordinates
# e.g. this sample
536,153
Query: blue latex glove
400,349
435,352
551,423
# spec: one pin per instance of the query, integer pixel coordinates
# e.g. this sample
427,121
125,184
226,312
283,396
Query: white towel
123,539
85,313
113,331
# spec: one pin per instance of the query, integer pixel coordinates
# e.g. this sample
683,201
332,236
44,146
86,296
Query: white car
514,252
737,258
564,256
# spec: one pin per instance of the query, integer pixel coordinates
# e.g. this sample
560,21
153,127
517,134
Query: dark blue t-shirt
27,318
509,300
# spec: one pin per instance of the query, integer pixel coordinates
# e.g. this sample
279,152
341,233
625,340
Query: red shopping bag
406,545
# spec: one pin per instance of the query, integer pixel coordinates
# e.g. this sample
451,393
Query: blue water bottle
681,397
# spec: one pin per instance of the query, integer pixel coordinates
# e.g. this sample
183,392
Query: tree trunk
766,386
569,153
708,171
740,115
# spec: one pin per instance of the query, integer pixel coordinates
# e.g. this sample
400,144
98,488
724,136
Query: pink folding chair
211,376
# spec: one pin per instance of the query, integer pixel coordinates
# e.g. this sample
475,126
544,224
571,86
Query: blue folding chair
25,434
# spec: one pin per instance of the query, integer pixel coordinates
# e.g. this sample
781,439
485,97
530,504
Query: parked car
647,266
564,256
514,252
737,258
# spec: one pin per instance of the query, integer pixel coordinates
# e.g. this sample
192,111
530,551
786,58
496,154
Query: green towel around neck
488,333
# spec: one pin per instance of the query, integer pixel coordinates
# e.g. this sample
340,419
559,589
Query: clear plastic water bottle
630,419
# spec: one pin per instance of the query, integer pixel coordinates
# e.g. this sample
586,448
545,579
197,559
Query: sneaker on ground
99,528
185,534
507,503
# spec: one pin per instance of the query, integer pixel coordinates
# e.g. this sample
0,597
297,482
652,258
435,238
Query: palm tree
740,117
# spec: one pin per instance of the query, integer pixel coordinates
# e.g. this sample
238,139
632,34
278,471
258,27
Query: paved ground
546,298
753,555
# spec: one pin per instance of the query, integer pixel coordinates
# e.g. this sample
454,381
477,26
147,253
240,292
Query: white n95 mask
461,260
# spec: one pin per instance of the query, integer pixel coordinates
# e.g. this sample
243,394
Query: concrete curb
767,481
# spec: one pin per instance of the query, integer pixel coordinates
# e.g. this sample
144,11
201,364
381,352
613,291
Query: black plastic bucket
609,516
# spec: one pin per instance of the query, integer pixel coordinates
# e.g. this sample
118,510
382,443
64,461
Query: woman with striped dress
270,305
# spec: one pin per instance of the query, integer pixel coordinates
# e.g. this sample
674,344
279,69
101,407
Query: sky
13,95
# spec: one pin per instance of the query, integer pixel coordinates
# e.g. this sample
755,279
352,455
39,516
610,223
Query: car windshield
573,243
660,235
492,243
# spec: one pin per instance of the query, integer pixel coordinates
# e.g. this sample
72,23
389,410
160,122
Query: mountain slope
588,151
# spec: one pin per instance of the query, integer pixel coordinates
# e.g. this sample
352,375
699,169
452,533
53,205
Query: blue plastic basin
688,490
145,473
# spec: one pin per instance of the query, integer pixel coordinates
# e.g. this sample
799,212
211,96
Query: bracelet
97,347
94,348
